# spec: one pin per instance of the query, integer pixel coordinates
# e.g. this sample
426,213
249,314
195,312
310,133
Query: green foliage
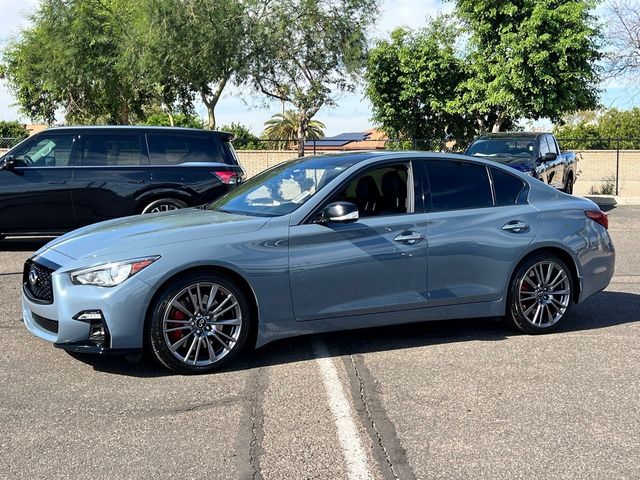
306,51
193,48
609,129
13,130
72,58
530,59
283,130
244,138
412,79
162,119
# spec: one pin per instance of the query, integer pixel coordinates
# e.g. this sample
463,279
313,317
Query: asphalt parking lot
457,399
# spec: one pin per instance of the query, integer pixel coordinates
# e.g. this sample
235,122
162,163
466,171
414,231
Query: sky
353,111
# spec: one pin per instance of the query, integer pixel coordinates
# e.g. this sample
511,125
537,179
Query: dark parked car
68,177
537,154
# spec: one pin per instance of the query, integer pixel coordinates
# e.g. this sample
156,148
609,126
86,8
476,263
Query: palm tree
283,129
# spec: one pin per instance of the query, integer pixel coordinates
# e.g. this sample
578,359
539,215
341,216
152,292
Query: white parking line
352,450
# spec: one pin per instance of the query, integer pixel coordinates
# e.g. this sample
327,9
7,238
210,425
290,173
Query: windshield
282,189
503,147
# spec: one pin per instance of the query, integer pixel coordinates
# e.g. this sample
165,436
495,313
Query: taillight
227,177
598,216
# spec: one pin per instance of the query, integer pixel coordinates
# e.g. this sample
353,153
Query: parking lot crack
256,387
387,448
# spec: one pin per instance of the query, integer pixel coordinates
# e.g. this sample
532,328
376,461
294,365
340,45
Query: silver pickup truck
537,154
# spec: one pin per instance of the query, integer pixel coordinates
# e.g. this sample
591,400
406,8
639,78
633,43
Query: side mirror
9,163
549,156
340,212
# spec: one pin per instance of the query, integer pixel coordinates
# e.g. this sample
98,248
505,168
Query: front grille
37,281
46,323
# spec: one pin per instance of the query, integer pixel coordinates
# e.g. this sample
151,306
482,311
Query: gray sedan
322,244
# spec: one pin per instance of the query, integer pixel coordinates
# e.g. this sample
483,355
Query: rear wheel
541,294
199,323
164,205
568,187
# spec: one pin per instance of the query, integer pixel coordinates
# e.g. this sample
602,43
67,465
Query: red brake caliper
176,334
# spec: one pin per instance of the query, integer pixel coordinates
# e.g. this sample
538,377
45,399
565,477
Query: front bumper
123,310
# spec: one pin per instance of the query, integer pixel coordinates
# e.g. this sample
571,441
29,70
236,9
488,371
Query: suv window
45,151
507,188
175,149
378,192
458,185
552,145
111,150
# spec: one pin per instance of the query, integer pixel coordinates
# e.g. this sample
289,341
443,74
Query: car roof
358,157
142,128
512,135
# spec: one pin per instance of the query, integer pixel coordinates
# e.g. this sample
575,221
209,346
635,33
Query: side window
552,145
458,185
111,150
508,188
383,191
544,146
46,151
175,149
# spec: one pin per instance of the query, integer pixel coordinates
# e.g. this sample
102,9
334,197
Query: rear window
508,188
175,149
458,185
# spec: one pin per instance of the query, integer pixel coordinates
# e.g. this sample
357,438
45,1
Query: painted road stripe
352,450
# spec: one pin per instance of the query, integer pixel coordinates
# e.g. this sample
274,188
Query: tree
529,58
71,58
244,139
194,48
608,129
14,130
412,80
163,119
623,34
306,51
284,129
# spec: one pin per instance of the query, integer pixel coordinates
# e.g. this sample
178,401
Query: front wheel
540,295
199,323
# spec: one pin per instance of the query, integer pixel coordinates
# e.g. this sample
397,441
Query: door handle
57,182
515,226
409,237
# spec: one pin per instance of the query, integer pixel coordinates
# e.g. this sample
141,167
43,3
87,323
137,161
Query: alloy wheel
202,323
544,293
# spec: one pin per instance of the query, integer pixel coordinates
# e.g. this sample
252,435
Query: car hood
123,235
519,163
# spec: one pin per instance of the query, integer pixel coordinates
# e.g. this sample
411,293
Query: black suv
68,177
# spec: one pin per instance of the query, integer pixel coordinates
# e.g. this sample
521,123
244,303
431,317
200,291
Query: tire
568,188
191,339
540,301
164,205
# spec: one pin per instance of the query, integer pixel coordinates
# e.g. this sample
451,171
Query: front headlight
110,274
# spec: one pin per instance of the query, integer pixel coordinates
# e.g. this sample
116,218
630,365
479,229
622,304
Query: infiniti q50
322,244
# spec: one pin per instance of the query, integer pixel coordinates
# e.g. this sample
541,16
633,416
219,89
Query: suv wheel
164,205
199,323
540,295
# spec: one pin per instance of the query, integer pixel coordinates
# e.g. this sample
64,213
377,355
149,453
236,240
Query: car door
35,196
112,170
556,166
475,232
376,264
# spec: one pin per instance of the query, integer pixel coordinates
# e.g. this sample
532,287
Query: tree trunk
210,100
171,119
303,125
123,117
497,124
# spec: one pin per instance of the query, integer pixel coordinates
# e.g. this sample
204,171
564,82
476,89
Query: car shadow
606,309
